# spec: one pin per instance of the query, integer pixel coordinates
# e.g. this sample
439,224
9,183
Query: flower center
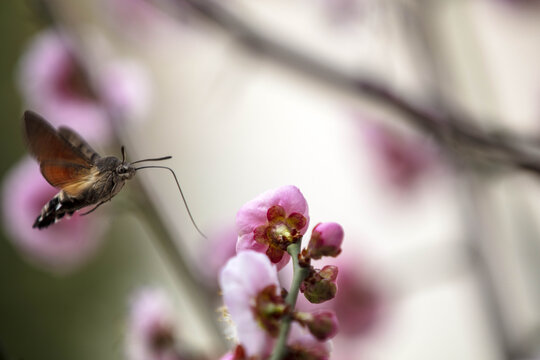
280,232
268,309
74,82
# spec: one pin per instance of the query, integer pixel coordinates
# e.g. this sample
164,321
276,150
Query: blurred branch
419,26
454,132
477,244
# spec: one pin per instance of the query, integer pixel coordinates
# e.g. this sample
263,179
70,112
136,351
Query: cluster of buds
268,226
320,284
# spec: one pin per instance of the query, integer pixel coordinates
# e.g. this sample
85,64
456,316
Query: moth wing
74,179
46,144
62,164
78,143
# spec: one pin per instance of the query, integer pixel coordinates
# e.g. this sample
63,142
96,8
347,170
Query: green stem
300,273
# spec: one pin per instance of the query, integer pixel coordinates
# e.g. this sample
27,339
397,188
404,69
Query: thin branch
455,133
300,273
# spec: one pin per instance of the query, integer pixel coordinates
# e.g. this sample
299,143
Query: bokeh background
444,245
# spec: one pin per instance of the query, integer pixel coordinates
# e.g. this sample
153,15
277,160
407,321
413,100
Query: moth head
125,171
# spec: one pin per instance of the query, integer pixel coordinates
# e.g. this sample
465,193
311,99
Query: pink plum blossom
402,162
242,279
269,222
54,84
151,327
60,248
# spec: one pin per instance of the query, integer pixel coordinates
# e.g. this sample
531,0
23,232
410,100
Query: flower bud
329,272
323,324
320,285
326,240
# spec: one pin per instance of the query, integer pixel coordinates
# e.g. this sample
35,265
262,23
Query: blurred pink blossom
301,341
401,162
221,246
151,327
359,304
276,211
54,85
125,86
241,280
60,248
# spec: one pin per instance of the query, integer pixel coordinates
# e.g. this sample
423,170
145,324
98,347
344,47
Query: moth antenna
123,149
177,185
154,159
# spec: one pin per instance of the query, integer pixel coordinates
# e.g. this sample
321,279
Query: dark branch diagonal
457,134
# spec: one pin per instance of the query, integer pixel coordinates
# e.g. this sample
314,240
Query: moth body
70,164
108,180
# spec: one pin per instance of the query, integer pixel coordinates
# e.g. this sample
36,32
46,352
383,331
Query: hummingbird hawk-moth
68,163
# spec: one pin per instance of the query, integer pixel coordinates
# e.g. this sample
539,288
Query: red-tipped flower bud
323,324
326,240
320,285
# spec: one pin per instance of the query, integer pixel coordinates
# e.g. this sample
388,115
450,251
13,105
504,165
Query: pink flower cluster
267,226
242,280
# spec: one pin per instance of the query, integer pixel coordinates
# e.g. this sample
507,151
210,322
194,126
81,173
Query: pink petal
254,213
242,278
150,313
